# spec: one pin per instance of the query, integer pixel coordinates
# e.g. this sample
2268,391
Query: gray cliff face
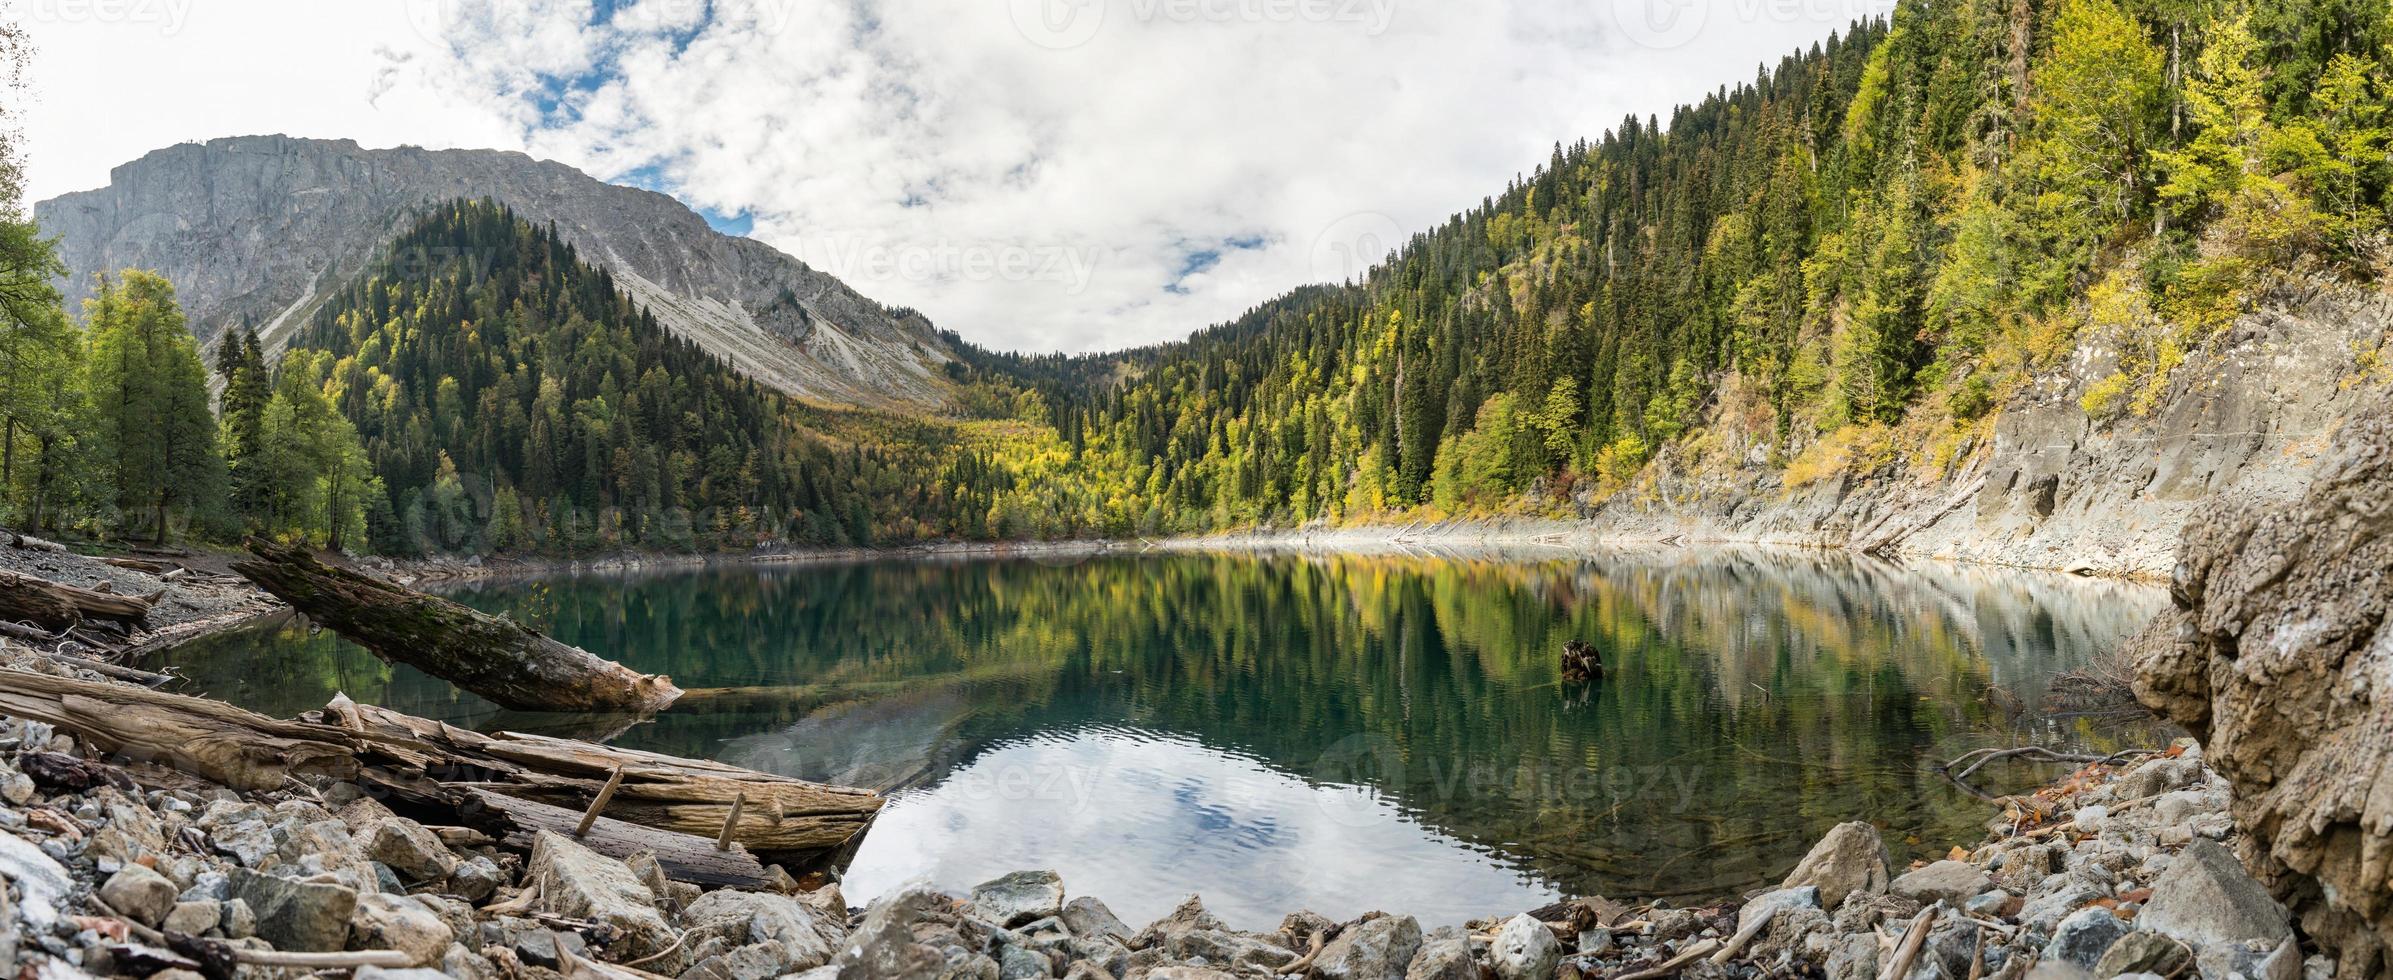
264,228
2248,416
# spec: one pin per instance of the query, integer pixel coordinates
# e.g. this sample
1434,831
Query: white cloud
1075,174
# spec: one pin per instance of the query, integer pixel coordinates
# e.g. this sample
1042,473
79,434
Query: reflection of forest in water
1754,698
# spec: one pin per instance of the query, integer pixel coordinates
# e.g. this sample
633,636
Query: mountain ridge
217,219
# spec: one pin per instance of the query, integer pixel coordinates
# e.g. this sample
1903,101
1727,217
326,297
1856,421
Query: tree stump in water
1581,661
509,663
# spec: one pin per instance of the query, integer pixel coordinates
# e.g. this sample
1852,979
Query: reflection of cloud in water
1142,821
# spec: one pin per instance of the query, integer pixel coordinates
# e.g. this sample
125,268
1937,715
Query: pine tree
156,440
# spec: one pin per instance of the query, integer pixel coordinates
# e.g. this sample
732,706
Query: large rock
1189,915
1089,918
2279,657
883,946
1445,954
806,936
576,881
2082,938
400,923
2206,899
2144,951
1524,950
1944,881
407,848
1378,949
141,894
296,915
1024,896
1851,858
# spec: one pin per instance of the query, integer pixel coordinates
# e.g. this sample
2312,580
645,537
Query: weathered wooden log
664,804
209,739
686,796
142,565
57,605
502,660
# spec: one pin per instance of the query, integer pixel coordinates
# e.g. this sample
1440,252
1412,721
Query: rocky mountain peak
262,228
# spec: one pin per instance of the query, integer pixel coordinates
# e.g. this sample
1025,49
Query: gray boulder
808,936
1944,881
1190,915
578,882
2144,951
1850,858
2206,898
296,915
762,961
1088,918
2082,938
407,848
140,893
1772,903
883,947
1445,955
404,924
1024,896
1526,950
1376,949
1221,947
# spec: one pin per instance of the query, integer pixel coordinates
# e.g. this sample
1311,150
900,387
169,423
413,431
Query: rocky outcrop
263,228
2247,415
2279,655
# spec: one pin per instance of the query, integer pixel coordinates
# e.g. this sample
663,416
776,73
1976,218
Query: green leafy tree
154,435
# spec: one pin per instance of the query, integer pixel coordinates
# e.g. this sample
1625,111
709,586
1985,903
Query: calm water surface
1340,734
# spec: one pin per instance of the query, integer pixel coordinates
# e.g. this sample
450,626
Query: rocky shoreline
137,871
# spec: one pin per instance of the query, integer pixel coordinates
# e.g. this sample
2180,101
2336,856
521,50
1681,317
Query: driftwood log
57,605
505,785
507,662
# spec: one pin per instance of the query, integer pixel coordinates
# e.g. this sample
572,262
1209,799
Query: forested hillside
1848,262
512,398
1846,266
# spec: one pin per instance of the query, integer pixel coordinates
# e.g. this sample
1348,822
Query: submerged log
506,785
513,665
57,605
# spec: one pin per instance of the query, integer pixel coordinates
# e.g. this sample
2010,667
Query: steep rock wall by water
2247,416
2279,655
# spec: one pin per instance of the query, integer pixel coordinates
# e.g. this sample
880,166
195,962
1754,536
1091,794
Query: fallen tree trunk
513,665
506,785
56,605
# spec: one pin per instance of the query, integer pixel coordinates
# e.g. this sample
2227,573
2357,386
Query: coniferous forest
1846,265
